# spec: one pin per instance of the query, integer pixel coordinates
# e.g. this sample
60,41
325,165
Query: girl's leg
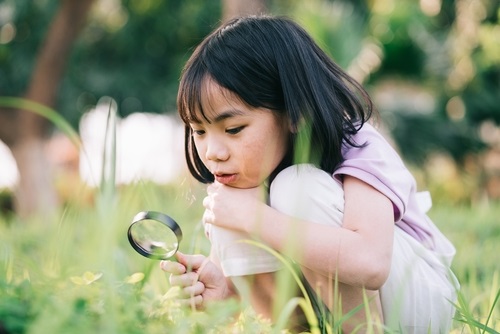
308,193
418,295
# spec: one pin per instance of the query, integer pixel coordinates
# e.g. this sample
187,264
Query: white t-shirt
302,191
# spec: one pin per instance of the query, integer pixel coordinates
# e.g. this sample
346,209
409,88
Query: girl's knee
307,192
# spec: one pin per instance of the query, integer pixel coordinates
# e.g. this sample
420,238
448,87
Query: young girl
345,208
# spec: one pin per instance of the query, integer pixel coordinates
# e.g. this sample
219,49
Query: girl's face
239,144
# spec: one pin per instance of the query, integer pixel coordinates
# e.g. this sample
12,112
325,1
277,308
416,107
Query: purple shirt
380,166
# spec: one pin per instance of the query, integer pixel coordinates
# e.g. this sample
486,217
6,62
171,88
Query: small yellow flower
86,279
134,278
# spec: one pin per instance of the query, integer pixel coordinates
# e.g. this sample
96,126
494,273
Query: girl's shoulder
374,143
377,163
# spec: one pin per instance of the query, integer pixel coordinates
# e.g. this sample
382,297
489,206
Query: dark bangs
189,94
238,58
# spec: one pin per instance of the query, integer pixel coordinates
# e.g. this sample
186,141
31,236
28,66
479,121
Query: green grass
475,232
77,273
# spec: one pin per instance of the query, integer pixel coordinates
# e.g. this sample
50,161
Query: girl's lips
225,178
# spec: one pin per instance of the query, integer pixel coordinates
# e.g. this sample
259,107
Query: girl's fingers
208,217
185,274
191,262
192,295
213,187
184,280
194,301
207,202
172,267
194,290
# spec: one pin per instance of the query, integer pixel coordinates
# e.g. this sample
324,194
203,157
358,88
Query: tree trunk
36,192
235,8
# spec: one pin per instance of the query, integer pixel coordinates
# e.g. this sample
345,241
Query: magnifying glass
154,235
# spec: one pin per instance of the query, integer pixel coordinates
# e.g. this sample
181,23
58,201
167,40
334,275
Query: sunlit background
149,149
431,66
111,144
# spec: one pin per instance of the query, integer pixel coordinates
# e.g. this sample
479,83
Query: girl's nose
216,150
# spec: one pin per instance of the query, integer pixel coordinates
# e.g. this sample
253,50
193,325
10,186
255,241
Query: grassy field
475,232
76,273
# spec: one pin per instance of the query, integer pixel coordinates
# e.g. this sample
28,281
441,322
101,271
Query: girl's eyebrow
222,116
227,114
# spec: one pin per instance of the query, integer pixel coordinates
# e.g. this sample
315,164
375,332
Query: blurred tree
449,49
445,55
234,8
131,50
23,131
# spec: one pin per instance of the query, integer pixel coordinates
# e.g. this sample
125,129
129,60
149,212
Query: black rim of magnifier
159,217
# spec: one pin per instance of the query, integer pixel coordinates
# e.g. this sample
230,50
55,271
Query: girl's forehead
215,98
212,92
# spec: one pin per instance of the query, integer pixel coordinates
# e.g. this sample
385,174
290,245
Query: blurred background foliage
130,50
432,67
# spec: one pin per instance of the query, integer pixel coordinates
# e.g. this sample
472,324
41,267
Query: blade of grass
108,171
288,310
476,324
50,114
495,301
464,314
309,311
303,152
44,111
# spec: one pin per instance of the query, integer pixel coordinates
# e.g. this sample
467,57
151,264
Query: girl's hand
233,208
198,278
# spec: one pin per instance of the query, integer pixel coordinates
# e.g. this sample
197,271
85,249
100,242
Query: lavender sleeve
380,166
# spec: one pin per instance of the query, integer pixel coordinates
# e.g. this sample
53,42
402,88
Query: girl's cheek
200,150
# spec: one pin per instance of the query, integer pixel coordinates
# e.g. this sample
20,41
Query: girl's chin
236,181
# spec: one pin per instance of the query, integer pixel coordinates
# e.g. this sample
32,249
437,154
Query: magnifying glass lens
154,235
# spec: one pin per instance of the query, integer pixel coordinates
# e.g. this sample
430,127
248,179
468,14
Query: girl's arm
358,254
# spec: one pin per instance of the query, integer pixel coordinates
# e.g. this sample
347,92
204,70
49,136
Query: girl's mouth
225,178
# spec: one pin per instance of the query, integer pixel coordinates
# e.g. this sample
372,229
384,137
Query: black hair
273,63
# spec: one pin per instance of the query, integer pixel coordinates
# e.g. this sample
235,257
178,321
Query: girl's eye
198,132
233,131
